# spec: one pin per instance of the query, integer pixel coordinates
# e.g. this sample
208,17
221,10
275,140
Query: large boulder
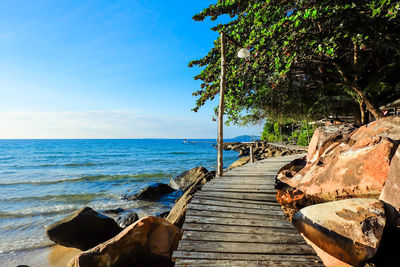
325,137
240,162
127,218
187,178
152,192
349,230
391,191
177,214
83,229
355,167
148,242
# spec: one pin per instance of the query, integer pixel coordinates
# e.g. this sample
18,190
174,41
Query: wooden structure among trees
235,221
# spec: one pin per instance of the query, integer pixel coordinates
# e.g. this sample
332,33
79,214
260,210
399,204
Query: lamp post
243,53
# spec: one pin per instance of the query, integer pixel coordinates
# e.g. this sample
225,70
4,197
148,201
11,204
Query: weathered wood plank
271,222
246,257
241,210
237,190
232,263
236,247
278,238
235,215
235,211
246,196
238,229
238,186
206,197
259,208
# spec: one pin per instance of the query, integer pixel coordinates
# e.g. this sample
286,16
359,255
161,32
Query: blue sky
103,69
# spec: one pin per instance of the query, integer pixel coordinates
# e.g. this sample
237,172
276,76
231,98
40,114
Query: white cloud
103,124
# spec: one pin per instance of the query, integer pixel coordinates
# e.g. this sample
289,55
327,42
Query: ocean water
42,181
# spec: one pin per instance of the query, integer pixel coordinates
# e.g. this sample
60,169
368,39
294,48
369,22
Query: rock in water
188,178
349,230
127,218
177,215
148,242
152,192
83,229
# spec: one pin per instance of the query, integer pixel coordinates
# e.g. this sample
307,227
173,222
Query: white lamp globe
243,53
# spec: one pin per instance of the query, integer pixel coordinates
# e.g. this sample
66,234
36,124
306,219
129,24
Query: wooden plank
230,263
258,208
272,222
249,196
246,257
238,186
239,229
237,190
237,247
205,197
241,210
235,215
278,238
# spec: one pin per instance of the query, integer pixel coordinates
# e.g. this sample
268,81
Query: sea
43,181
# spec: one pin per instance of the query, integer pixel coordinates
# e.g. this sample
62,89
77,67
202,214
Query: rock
114,211
187,178
83,229
391,191
163,214
127,219
240,162
326,136
177,214
356,167
148,242
349,230
152,192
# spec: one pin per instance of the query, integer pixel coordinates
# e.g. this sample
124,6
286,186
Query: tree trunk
371,107
220,139
362,113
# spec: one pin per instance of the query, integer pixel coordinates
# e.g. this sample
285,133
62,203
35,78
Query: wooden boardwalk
236,221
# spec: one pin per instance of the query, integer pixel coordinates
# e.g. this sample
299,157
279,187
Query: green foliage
287,130
303,54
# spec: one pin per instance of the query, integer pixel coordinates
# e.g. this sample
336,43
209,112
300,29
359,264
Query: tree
302,52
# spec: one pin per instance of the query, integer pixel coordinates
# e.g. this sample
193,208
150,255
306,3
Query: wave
95,178
181,153
79,164
70,198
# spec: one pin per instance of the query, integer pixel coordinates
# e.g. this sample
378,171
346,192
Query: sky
103,69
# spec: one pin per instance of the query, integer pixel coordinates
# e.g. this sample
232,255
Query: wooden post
251,154
220,139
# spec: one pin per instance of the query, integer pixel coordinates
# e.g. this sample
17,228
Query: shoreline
48,256
52,256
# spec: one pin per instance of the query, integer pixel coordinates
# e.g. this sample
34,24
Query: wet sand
54,256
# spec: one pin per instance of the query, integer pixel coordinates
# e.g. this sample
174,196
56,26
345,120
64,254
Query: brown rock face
83,229
355,167
350,230
148,242
324,137
391,191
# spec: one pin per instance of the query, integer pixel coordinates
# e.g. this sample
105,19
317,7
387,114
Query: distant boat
185,141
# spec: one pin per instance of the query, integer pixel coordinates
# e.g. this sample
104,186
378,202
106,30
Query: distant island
246,138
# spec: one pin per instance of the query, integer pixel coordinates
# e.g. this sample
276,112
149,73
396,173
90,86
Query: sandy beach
54,256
